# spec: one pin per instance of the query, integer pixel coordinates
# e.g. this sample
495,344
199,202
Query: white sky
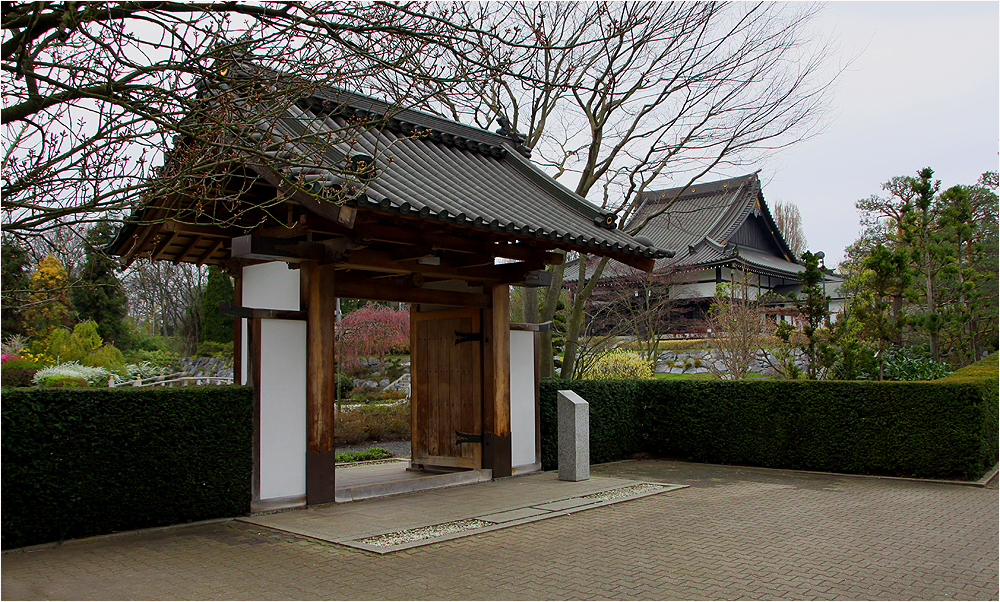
924,91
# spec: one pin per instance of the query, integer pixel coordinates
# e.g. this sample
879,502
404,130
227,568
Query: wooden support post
496,383
320,382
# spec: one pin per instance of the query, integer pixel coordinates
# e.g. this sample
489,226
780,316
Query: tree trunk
546,367
529,299
931,309
576,317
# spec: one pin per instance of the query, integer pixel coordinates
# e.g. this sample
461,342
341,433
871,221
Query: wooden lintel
187,249
181,228
380,261
446,242
236,311
211,251
386,291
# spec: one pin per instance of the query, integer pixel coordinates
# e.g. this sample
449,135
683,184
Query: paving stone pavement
733,534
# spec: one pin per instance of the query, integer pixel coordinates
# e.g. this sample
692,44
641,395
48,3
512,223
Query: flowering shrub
618,364
373,330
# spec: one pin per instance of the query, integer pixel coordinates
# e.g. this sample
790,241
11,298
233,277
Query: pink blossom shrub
373,330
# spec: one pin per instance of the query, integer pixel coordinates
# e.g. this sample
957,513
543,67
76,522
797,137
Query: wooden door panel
446,388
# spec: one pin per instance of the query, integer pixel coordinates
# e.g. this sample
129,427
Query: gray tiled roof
454,173
699,221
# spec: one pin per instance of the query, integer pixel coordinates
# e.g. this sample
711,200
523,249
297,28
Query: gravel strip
400,537
623,492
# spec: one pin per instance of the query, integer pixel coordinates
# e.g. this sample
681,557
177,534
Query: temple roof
714,223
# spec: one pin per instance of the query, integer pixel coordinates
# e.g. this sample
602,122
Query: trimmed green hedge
84,462
940,429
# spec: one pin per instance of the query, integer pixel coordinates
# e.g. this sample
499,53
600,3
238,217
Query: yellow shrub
618,364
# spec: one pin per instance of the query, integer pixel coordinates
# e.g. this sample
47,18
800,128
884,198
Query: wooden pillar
318,296
496,382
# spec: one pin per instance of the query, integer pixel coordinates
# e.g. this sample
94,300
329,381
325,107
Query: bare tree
619,97
740,325
94,93
788,218
165,299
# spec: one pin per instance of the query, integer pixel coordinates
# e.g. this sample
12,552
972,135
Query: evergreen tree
813,307
99,295
215,326
16,280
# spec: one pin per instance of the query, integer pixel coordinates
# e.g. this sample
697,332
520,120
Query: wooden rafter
187,249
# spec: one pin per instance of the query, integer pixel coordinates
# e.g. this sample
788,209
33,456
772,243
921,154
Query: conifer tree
99,295
215,326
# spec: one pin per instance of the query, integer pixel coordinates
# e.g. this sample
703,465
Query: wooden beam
496,383
213,231
236,311
640,263
378,291
321,383
381,261
444,242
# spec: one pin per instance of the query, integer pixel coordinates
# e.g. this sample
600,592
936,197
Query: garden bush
373,423
931,429
17,372
83,462
618,364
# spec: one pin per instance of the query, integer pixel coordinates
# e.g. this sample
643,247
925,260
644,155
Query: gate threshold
392,477
391,524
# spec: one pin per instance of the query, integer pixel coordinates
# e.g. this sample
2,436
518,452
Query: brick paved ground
733,534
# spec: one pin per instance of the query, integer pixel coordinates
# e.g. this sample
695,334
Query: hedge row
940,429
84,462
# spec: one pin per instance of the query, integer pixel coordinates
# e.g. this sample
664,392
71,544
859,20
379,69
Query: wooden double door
446,374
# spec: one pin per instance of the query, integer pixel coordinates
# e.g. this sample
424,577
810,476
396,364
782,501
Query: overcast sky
924,91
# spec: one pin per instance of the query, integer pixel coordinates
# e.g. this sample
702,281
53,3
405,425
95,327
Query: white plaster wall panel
522,398
282,409
271,286
267,286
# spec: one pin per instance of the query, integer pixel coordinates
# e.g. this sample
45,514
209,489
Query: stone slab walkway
405,521
731,534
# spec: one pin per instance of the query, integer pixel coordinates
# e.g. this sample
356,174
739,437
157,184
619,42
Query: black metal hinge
467,438
465,337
